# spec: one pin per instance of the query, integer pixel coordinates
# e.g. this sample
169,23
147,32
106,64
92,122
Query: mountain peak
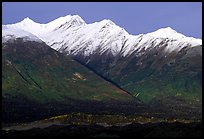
167,29
107,22
12,34
103,33
76,19
167,32
27,20
72,19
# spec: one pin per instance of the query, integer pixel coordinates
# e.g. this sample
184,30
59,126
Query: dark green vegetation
37,81
155,73
169,81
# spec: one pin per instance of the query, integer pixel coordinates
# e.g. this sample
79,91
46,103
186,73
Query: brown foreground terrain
132,130
88,125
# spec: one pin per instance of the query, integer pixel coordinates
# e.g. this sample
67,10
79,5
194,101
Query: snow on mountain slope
37,29
9,34
172,34
101,36
70,34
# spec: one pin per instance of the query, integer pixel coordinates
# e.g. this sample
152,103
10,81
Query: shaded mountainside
157,64
154,73
168,81
102,69
38,81
163,69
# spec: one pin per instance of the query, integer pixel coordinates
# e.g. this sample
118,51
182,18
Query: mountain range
70,59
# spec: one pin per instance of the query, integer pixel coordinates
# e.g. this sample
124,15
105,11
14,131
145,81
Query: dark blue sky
135,17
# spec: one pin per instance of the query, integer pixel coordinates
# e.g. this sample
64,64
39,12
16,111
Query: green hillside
34,76
171,82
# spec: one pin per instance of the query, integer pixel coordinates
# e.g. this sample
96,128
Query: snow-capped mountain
70,34
151,66
169,33
11,33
